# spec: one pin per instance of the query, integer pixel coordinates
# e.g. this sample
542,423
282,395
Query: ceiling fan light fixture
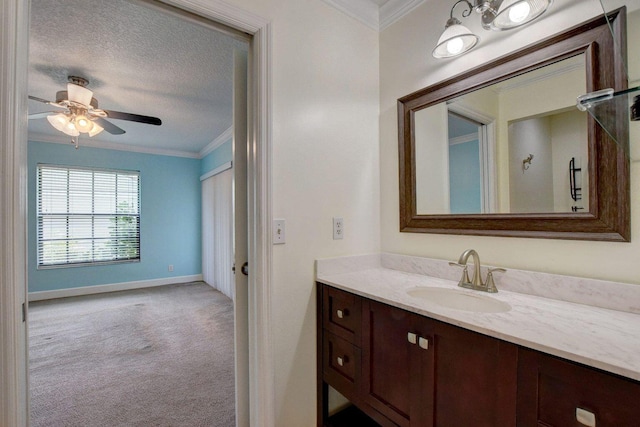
79,94
83,124
63,123
515,13
96,129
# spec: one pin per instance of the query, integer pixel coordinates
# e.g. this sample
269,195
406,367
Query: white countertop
598,337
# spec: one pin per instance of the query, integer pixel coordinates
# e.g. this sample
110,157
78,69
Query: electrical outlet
278,232
338,228
170,267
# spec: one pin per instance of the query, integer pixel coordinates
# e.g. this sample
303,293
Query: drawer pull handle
423,343
585,417
412,338
342,360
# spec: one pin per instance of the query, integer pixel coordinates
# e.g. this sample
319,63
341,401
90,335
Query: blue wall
464,178
218,157
170,217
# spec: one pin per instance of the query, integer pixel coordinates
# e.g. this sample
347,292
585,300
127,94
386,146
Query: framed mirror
502,150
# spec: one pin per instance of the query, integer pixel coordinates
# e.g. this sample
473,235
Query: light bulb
454,46
63,123
83,124
519,12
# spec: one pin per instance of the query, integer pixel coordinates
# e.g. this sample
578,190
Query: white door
241,257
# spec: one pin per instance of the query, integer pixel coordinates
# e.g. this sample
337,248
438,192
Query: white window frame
92,214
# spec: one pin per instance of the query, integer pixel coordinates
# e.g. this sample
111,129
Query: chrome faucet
476,282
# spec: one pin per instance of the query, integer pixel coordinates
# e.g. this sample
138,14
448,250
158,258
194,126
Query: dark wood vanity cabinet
402,369
410,370
556,392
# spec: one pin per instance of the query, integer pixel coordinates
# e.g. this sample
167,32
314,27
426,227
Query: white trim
14,30
364,11
221,139
14,48
374,17
261,362
113,287
394,10
463,138
60,139
216,171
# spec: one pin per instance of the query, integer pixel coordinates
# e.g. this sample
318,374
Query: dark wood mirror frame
608,166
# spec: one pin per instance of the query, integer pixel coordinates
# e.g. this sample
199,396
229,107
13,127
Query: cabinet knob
585,417
423,343
342,313
412,338
342,360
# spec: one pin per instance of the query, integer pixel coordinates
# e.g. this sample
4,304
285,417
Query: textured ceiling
138,59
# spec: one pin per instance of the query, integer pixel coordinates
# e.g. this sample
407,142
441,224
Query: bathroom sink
460,300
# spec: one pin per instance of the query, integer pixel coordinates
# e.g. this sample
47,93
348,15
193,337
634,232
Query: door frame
14,45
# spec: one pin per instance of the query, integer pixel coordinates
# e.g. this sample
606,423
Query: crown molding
220,139
394,10
59,139
373,16
463,139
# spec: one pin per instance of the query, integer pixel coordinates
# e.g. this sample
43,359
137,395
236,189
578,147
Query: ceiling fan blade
133,117
44,101
41,115
109,127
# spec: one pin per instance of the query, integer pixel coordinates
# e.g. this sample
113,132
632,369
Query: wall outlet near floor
278,232
170,267
338,228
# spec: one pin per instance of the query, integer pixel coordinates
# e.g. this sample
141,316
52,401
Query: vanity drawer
557,393
341,364
342,314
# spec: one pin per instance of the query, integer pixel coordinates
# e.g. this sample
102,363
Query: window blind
87,216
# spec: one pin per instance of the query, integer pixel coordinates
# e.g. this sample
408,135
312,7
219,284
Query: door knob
245,269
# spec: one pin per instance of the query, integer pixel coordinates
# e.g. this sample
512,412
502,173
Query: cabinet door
475,379
394,364
557,393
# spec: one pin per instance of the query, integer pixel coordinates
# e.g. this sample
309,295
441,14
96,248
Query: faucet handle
465,272
490,284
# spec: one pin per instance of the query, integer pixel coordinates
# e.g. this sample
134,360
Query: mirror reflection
517,146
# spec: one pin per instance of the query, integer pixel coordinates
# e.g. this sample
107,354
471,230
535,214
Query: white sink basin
460,300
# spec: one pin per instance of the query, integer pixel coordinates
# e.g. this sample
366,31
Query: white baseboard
99,289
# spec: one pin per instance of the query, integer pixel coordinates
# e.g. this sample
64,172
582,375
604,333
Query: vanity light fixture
497,15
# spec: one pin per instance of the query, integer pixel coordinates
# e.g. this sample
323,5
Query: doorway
13,101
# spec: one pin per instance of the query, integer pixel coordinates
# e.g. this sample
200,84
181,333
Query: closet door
217,232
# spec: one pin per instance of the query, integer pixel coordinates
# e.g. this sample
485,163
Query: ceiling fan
79,112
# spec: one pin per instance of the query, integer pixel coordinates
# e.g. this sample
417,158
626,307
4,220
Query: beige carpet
152,357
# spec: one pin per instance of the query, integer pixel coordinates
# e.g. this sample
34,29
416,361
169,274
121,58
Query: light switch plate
278,232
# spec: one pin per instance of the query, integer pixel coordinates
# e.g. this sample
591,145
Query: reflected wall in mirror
532,114
502,149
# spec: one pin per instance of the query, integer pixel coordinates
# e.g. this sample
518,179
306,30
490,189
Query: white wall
432,159
325,164
530,190
406,66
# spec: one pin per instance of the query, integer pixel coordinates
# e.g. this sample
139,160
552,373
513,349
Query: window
87,216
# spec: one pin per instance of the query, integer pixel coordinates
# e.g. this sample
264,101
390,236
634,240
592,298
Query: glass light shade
514,13
455,40
79,94
83,124
96,129
63,123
